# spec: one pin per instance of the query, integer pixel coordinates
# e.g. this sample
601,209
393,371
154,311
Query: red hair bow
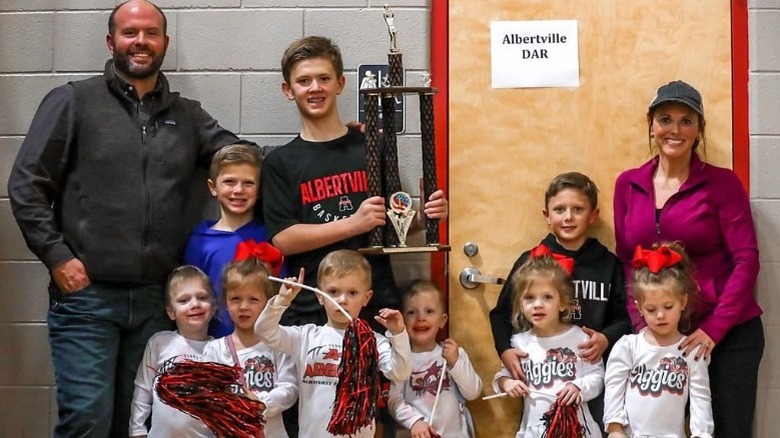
655,259
266,253
567,263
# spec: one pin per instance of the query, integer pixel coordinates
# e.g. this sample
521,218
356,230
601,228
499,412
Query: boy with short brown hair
316,349
570,209
234,179
315,194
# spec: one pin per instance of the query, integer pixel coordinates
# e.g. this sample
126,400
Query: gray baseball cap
678,91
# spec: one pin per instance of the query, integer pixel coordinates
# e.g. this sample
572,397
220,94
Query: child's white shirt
269,374
647,388
413,399
553,362
316,351
163,349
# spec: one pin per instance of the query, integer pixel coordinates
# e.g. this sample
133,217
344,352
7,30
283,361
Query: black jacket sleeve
618,322
36,178
501,315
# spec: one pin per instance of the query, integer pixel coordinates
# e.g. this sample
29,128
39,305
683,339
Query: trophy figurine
401,215
389,20
382,169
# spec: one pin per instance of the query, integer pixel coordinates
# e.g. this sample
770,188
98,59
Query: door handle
471,278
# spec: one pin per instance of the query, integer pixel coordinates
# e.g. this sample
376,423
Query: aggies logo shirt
559,365
671,376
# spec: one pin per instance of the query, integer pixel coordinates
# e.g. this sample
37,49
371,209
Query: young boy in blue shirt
234,179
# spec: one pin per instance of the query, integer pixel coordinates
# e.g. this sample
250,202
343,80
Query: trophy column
382,168
373,165
429,162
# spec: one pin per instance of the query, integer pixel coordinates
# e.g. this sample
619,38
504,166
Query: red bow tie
266,253
567,263
655,259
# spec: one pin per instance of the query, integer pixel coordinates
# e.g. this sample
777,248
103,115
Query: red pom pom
206,391
562,421
358,388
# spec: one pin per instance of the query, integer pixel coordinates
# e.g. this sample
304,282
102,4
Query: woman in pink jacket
678,197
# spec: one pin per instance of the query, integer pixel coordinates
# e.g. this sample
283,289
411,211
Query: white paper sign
543,53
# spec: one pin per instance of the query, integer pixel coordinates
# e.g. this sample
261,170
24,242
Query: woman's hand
701,340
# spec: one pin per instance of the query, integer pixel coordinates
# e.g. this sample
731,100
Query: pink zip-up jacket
710,215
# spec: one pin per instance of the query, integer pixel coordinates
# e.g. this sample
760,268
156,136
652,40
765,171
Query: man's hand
592,349
511,359
392,320
70,276
450,352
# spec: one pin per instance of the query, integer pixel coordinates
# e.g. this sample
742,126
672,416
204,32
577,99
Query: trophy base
376,250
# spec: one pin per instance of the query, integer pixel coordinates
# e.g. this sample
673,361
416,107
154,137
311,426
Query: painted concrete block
231,40
23,292
218,93
764,157
24,94
26,42
9,148
61,5
12,246
28,411
26,359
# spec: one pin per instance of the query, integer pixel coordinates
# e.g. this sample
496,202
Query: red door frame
740,98
440,78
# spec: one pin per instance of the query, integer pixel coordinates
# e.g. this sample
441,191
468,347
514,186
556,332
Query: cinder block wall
225,53
764,31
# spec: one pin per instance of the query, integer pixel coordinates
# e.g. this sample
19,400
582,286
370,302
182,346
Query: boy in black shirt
571,207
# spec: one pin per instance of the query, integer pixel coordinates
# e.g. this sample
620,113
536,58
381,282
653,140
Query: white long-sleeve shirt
647,388
162,351
269,374
316,351
552,362
413,399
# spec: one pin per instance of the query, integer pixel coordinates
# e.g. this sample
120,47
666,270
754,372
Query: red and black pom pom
206,391
358,388
562,421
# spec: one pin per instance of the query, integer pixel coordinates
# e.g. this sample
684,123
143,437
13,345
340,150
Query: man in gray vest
98,190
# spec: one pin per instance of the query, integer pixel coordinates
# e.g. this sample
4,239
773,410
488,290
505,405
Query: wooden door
505,145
